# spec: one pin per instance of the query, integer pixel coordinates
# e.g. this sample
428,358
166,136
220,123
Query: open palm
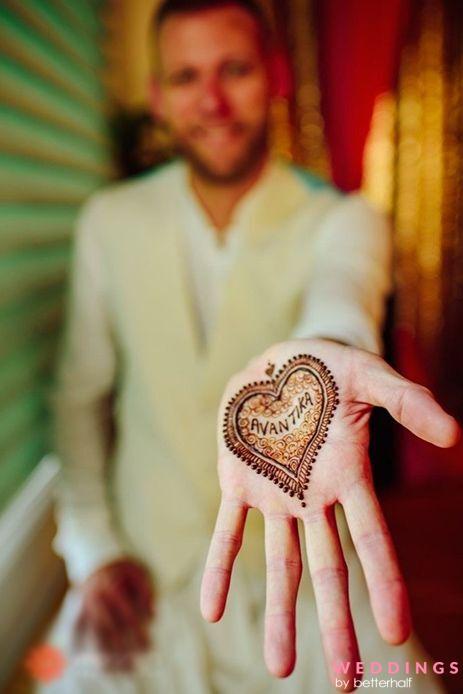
340,473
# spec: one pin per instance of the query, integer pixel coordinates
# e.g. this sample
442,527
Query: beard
256,148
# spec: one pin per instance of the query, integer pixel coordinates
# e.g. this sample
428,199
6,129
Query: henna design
270,368
278,426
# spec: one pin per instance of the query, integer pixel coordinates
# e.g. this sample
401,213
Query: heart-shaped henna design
278,426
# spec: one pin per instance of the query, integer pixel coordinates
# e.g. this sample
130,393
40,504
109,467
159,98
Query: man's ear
156,99
281,76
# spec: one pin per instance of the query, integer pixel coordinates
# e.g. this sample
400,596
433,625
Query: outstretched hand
293,441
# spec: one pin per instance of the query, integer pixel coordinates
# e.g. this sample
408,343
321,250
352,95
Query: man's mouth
220,133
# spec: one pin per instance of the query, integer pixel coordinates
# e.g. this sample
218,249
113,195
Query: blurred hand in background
117,607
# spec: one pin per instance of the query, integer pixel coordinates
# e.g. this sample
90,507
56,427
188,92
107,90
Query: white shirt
208,257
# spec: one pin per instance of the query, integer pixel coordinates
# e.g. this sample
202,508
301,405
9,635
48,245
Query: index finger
225,545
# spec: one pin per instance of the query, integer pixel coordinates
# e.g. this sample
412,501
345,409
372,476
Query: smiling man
214,88
180,278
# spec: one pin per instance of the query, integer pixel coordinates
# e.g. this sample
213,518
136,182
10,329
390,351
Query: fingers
284,569
137,583
329,577
130,620
410,404
98,624
112,640
373,543
79,630
111,620
225,545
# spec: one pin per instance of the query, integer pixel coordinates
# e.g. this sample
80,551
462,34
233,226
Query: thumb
411,404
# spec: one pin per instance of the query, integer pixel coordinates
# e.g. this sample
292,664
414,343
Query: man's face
214,90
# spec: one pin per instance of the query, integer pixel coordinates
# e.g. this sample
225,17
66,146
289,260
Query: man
179,279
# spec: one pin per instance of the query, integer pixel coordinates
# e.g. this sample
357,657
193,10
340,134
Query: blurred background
372,98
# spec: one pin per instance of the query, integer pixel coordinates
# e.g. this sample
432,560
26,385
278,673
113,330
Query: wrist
325,338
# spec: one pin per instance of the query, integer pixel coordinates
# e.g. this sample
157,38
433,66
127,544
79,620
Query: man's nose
214,100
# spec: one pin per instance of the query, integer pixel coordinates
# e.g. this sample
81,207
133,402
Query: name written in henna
283,425
303,389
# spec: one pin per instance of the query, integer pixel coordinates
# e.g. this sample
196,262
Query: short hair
168,8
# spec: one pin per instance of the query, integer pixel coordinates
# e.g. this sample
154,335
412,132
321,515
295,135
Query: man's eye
182,77
238,69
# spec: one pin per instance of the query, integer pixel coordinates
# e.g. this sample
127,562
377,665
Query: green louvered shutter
54,150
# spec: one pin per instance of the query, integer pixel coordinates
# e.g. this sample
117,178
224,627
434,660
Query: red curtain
359,53
359,49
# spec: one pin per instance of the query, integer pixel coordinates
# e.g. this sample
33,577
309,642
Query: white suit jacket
312,262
